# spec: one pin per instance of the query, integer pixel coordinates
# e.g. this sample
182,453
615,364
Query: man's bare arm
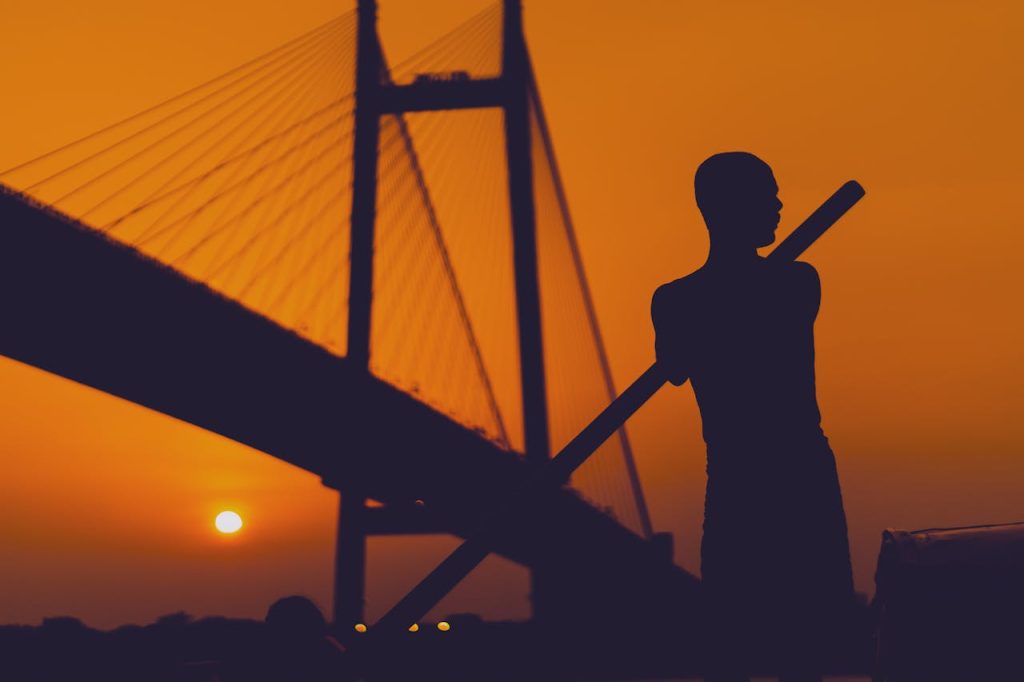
809,287
668,339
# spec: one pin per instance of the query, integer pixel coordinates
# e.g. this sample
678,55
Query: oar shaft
475,549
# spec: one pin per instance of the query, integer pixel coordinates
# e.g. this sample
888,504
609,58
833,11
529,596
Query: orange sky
108,507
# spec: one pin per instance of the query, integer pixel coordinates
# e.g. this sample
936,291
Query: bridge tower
376,97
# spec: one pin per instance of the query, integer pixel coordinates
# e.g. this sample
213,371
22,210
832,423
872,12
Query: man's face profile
761,209
739,198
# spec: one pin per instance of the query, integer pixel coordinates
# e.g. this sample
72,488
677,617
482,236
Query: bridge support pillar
516,76
350,549
350,561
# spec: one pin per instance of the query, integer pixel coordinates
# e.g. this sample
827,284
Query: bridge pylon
376,96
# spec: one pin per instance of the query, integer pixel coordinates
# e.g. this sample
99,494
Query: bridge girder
82,306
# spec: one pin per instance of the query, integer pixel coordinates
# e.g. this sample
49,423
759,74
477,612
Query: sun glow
228,522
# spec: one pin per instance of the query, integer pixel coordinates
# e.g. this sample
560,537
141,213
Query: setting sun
228,522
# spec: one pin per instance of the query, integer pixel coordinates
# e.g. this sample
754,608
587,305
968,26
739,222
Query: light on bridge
415,627
444,626
360,627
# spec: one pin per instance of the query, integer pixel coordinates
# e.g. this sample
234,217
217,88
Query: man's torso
746,340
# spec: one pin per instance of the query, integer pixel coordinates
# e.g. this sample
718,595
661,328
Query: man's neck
730,256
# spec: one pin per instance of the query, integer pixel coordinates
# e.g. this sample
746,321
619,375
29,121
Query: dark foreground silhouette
775,555
293,644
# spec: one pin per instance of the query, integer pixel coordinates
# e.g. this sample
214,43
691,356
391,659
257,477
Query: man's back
745,338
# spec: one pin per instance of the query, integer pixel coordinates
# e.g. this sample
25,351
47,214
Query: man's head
737,194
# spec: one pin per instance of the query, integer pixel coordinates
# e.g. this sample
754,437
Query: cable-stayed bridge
367,270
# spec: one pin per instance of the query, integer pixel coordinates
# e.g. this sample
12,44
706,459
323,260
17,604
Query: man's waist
771,435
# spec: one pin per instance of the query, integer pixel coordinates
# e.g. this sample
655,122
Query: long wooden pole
475,549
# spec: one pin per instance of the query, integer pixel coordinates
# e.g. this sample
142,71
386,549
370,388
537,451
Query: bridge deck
79,305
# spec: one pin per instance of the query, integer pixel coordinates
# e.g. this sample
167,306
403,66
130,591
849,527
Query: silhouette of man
774,558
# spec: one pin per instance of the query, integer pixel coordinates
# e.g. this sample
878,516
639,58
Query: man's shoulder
675,293
798,282
800,273
677,290
803,269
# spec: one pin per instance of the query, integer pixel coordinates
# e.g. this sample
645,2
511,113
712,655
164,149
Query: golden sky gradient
108,508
